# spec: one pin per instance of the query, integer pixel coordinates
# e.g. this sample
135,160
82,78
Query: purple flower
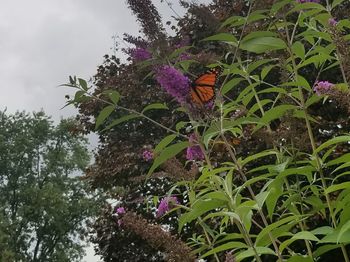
166,204
322,87
139,54
308,1
147,155
332,21
120,210
194,152
174,82
120,222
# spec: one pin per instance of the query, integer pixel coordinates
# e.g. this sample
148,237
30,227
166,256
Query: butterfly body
203,88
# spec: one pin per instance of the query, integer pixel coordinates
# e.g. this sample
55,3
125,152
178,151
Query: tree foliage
44,204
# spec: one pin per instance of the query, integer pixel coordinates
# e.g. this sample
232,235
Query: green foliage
273,185
44,204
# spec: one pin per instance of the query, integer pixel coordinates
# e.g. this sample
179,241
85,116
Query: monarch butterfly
203,88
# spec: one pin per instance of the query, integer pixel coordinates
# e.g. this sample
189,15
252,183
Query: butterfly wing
203,88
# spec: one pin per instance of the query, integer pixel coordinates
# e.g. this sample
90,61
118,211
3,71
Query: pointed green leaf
103,115
262,44
155,106
164,142
121,120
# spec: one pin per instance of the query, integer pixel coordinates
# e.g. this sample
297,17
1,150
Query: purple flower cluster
166,204
332,21
174,82
147,155
139,54
322,87
308,1
194,152
120,210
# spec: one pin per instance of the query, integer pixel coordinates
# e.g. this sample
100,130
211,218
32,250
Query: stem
208,238
248,240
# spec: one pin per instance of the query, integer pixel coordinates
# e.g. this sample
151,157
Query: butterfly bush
194,152
140,54
174,82
166,204
322,87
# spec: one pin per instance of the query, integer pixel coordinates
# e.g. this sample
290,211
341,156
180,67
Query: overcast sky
44,41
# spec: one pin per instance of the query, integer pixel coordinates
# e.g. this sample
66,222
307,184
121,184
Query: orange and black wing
203,88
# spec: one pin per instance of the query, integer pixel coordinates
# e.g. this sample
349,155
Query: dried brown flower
175,249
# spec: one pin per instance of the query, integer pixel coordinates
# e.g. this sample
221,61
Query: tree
44,205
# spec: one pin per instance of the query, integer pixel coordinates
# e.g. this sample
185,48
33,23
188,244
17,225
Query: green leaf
276,190
231,84
261,198
166,154
226,246
250,253
259,34
278,5
275,113
256,106
164,142
233,20
225,37
333,188
345,228
336,140
325,230
262,44
121,120
257,156
335,238
257,64
299,50
303,235
83,84
199,208
275,225
155,106
103,115
324,249
305,6
336,3
342,159
266,70
113,95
